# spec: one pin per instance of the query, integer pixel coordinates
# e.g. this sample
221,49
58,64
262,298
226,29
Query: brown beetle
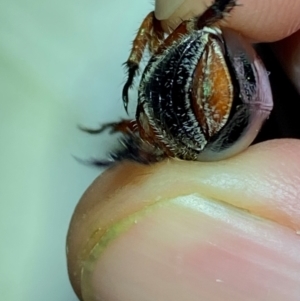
203,95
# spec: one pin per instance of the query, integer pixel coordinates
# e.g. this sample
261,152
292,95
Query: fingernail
164,8
193,248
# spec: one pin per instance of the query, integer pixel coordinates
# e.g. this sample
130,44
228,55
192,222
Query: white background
60,65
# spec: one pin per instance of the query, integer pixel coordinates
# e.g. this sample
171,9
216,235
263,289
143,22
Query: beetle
203,95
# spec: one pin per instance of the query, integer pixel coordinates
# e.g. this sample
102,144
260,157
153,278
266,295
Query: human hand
191,231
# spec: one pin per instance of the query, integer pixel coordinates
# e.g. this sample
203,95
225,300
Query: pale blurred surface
60,66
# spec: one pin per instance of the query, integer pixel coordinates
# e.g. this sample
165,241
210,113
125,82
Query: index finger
262,21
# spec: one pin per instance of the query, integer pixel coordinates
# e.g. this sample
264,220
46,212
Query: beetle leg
216,12
133,149
157,36
123,126
213,14
150,33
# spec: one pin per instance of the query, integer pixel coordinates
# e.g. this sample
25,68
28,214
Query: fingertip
192,248
288,53
261,21
164,9
266,21
262,180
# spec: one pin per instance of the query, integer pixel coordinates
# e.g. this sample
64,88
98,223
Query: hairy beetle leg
216,12
124,126
150,33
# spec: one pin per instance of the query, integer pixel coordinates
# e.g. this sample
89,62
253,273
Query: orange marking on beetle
212,105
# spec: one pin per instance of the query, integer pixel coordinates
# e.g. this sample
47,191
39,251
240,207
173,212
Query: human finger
288,53
261,21
199,230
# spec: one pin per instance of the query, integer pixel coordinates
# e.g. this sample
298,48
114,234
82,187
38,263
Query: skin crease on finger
264,181
261,21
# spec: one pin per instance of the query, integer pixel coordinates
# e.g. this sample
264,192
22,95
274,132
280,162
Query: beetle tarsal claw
95,162
99,130
125,103
132,70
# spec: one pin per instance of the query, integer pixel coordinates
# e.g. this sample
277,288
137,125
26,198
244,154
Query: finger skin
288,53
192,248
263,181
261,21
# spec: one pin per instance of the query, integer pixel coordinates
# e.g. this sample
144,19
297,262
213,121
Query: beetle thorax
185,94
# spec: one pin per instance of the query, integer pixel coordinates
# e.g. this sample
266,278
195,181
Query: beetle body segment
204,94
186,93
